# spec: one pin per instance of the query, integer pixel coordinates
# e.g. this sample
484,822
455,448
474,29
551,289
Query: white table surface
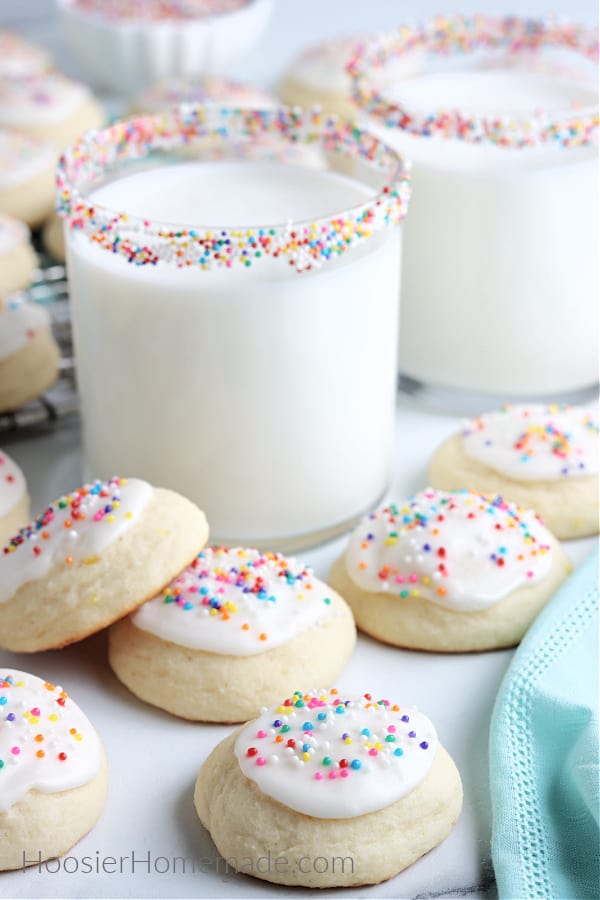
154,758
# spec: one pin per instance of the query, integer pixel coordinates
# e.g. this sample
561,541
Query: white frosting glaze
75,528
43,98
460,550
237,601
535,443
12,234
337,765
19,322
22,157
46,742
164,94
12,484
19,58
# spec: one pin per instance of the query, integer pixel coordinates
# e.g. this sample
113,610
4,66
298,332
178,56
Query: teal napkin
544,753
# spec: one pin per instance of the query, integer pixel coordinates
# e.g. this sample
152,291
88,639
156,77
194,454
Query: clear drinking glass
499,281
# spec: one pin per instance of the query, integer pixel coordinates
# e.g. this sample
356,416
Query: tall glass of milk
235,316
499,281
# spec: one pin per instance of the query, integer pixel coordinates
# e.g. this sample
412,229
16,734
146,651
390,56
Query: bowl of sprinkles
126,45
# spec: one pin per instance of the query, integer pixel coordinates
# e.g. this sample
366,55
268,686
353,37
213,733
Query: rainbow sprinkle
303,245
454,35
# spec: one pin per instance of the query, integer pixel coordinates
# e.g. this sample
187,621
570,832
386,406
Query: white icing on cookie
75,528
19,58
535,443
22,157
13,234
46,742
334,756
12,484
19,322
42,98
237,601
460,550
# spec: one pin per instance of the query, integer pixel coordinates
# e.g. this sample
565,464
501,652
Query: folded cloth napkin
544,753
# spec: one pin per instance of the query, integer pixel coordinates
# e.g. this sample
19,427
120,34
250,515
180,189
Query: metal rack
50,289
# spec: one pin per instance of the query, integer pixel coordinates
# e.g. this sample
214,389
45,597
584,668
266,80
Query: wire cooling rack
50,289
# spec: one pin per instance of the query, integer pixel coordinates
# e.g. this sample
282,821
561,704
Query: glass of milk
499,281
235,317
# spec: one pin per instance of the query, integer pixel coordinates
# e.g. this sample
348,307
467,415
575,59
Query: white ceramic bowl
125,55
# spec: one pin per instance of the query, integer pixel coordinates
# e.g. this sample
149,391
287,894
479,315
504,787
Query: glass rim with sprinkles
303,244
456,35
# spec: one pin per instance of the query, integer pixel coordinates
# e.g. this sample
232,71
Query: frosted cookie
92,557
219,91
543,457
323,775
19,58
29,355
49,106
53,238
318,77
230,634
53,775
14,499
17,259
449,571
223,93
27,167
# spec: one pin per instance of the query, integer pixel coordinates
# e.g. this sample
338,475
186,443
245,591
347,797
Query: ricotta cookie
235,94
53,775
27,167
318,77
17,259
543,457
54,239
19,58
92,557
230,634
50,106
165,94
14,499
449,571
334,789
29,355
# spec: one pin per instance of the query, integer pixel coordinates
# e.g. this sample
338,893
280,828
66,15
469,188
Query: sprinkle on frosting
20,321
157,10
46,742
12,484
74,529
462,550
535,443
446,36
304,245
237,601
331,755
51,96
